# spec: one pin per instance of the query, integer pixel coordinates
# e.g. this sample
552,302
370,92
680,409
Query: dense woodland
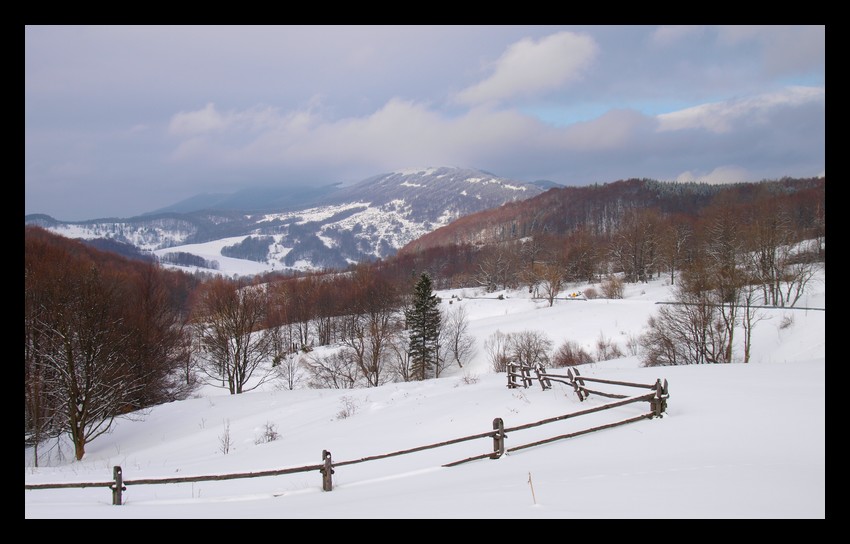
106,335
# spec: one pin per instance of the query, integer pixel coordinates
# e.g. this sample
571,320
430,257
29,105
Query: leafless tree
496,346
552,277
687,332
288,370
84,349
400,361
335,370
229,320
634,248
459,343
530,347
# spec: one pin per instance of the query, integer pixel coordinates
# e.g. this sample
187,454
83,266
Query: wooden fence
520,375
657,400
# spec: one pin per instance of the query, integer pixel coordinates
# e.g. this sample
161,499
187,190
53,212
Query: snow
424,171
737,441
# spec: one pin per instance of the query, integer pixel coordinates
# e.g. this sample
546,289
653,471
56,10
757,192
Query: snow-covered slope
738,440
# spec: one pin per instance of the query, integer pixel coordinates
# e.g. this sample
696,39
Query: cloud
667,35
720,175
612,130
529,67
722,117
196,122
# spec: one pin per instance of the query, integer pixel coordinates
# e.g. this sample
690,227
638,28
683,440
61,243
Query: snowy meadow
737,441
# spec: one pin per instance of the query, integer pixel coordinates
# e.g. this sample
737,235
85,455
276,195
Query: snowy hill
363,222
738,440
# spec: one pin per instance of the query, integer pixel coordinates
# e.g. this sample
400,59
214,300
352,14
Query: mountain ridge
369,220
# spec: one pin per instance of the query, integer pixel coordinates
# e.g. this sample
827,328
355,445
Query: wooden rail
657,400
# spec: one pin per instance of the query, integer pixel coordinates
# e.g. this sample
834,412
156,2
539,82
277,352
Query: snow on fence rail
657,400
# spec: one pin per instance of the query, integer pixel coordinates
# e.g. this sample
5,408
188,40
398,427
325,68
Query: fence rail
657,400
519,372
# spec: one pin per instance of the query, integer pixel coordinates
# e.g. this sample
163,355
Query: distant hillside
598,208
367,221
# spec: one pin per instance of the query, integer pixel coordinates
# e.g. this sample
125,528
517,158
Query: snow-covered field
738,440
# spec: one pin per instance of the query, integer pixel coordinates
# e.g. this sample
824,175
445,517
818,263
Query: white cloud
196,122
529,67
720,175
209,120
720,117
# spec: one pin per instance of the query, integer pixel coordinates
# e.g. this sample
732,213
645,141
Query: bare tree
496,346
288,370
84,349
723,256
496,267
672,244
530,347
228,321
459,343
553,281
634,248
400,361
687,332
336,370
371,322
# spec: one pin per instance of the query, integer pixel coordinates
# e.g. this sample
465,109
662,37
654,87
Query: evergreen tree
423,321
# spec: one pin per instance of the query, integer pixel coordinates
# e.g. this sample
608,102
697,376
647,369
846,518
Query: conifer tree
423,321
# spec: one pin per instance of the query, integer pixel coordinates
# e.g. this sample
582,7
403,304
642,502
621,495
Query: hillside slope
738,440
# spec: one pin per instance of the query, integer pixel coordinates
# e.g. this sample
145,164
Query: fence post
573,381
498,438
327,470
117,486
658,404
541,377
526,375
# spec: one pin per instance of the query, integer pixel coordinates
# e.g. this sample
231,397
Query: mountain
600,208
366,221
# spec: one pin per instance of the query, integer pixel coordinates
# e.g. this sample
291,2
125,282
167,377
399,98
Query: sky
737,441
123,120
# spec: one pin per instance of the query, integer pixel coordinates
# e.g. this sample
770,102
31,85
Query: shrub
607,349
269,434
591,293
612,287
349,407
571,354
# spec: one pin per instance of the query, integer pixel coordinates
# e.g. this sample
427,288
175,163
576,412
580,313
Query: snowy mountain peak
369,220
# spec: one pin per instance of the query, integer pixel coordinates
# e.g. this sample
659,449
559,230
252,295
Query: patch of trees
120,248
252,248
182,258
103,336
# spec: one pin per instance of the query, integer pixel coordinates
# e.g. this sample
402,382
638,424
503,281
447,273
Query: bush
349,407
269,434
612,287
571,354
607,349
590,293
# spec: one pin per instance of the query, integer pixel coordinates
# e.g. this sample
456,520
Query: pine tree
423,320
